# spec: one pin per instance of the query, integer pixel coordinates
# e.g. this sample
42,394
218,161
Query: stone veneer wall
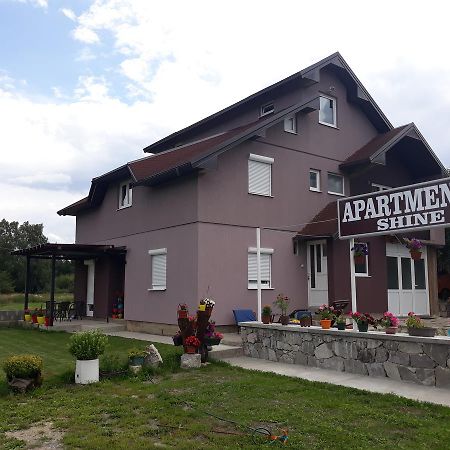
401,357
10,316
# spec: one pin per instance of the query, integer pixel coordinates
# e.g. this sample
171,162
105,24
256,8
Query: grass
14,302
167,408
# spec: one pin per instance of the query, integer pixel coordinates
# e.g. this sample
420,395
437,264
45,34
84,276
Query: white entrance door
407,281
90,263
317,273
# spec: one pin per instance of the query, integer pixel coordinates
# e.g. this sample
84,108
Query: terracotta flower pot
265,318
284,320
416,254
424,331
325,324
190,349
182,314
305,321
391,330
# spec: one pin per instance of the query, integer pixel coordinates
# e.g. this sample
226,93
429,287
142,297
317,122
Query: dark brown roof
365,153
69,251
323,224
357,93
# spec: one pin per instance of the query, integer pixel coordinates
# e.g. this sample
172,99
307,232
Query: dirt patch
42,436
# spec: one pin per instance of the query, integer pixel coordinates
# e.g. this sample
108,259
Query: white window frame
366,273
264,251
152,253
311,188
128,201
380,187
263,160
263,112
288,121
334,124
343,184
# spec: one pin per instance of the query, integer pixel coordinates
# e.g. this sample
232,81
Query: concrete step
222,351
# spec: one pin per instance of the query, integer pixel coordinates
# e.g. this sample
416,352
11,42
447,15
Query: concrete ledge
349,333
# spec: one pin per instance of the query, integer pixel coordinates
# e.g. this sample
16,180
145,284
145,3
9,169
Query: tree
14,236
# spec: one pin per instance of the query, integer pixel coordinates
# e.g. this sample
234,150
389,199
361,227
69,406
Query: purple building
279,159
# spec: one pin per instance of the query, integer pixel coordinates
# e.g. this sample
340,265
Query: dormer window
125,195
327,112
269,108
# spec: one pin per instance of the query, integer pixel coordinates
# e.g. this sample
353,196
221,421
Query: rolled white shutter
252,268
259,177
159,263
265,268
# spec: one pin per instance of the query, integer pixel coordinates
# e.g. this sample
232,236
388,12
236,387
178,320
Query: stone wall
401,357
10,316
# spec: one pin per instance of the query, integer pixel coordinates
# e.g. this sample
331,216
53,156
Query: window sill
251,288
336,193
290,132
362,275
261,195
123,207
315,190
329,125
156,289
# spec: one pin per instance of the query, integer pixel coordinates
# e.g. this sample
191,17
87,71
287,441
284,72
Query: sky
85,85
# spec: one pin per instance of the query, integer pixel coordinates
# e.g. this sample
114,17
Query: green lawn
14,302
166,409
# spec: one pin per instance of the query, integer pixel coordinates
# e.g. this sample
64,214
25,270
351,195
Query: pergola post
52,291
27,283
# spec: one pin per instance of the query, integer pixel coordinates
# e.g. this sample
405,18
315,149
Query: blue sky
86,84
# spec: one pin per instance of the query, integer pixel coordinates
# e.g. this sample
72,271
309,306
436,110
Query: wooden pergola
54,252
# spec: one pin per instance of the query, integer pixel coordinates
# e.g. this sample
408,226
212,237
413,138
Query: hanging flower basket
360,251
359,259
416,255
414,246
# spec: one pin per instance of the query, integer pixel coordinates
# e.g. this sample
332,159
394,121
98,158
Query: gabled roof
357,93
178,161
398,139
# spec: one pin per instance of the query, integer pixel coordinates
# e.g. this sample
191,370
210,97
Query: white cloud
69,14
85,35
37,3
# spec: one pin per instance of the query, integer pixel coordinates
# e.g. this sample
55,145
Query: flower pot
137,361
424,332
41,320
189,349
177,340
27,317
182,314
87,371
47,321
391,330
341,326
416,254
211,341
202,307
305,321
325,324
363,327
34,319
265,318
359,259
284,320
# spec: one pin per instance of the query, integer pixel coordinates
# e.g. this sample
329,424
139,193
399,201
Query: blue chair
244,315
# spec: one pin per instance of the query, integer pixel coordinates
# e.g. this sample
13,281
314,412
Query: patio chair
76,310
244,315
340,304
62,310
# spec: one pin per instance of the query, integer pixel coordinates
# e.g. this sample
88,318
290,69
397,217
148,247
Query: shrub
23,366
65,282
6,283
136,353
267,310
86,345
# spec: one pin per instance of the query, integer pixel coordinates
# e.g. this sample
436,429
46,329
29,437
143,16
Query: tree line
15,236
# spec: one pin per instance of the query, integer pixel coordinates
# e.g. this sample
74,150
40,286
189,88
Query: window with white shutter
159,269
260,175
266,268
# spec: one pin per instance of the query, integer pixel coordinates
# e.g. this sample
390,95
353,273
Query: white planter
87,371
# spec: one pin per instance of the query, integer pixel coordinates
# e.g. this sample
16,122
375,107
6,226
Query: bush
86,345
23,366
6,283
64,282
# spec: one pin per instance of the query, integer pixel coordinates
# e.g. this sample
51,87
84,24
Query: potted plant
34,316
209,305
136,357
40,317
26,315
191,344
305,320
47,319
283,303
87,346
177,339
363,320
414,245
389,322
266,314
212,337
23,372
182,311
327,315
202,305
417,328
341,322
360,251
